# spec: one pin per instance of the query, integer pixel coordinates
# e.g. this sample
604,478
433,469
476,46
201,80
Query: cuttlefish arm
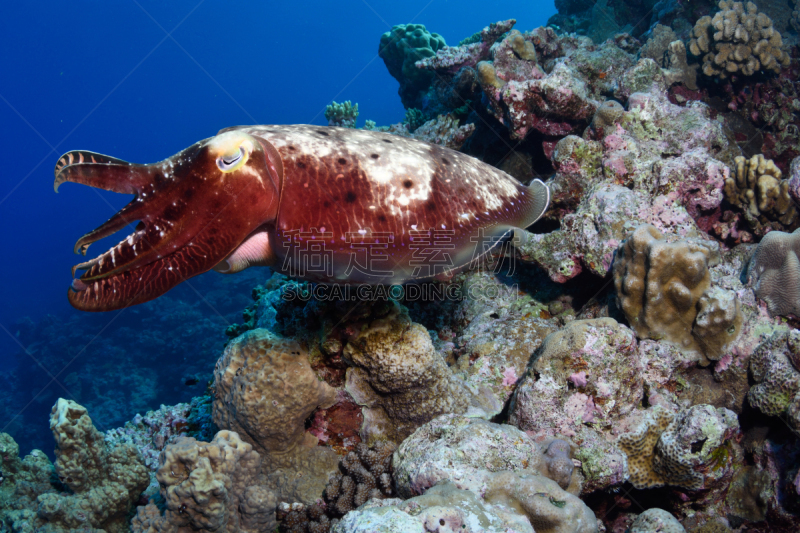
193,211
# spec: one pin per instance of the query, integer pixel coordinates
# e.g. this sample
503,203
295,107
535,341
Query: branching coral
343,115
664,290
737,40
366,473
774,272
758,190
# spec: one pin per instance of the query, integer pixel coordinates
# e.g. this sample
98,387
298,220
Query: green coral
400,49
414,119
343,115
103,482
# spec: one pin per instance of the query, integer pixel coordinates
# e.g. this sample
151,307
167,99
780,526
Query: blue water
141,80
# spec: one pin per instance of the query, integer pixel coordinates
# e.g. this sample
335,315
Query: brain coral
403,46
737,40
665,291
209,486
758,190
774,272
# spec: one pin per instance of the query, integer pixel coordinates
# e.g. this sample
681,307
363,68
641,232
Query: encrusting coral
466,451
582,380
104,482
737,40
773,272
665,291
209,487
758,190
676,450
774,366
509,501
656,521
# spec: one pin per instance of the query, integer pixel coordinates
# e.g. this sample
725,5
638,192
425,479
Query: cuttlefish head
193,211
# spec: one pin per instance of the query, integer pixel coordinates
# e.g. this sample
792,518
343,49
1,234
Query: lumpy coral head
193,209
774,272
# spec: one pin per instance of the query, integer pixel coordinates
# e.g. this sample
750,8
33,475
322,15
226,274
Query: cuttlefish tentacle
101,172
252,195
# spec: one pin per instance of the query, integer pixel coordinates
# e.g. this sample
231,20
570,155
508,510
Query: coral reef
582,380
737,40
444,130
663,165
400,49
162,352
665,291
343,115
773,271
758,190
209,486
97,484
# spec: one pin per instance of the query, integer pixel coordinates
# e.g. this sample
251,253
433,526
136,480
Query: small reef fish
325,204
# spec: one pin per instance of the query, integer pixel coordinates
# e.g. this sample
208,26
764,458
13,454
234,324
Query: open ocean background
141,80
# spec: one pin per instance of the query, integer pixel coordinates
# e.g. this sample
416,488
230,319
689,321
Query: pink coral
509,376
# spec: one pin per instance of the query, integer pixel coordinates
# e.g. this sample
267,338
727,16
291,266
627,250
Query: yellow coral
757,189
738,39
665,291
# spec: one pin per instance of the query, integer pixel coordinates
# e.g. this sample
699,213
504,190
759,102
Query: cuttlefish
326,204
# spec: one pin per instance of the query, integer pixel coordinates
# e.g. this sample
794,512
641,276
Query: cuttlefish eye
230,162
